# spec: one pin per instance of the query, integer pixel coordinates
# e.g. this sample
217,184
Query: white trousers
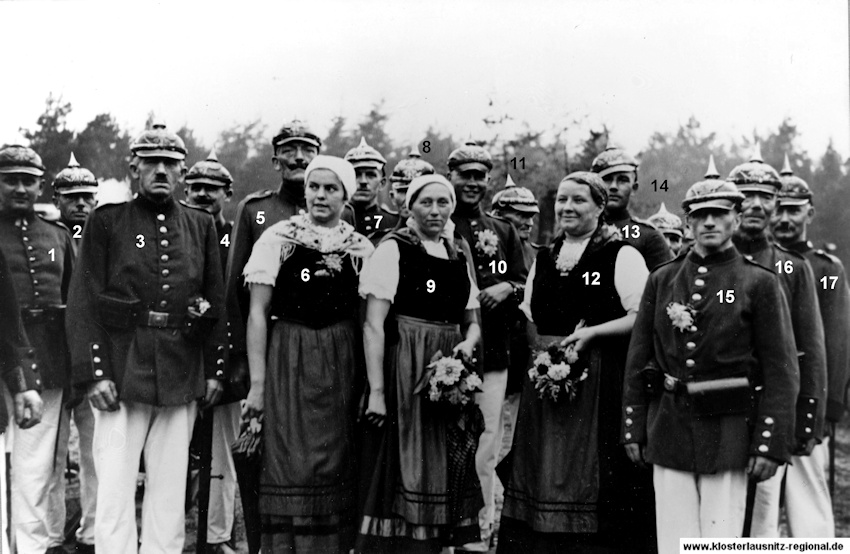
83,416
163,434
490,401
38,478
694,506
807,501
222,473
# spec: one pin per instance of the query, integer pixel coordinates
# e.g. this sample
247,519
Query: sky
636,67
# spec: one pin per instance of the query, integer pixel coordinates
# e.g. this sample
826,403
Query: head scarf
594,182
341,168
423,181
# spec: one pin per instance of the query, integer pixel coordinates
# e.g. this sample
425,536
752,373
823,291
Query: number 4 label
225,240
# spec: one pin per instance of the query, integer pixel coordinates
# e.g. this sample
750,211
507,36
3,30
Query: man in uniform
148,338
74,190
709,319
807,498
500,267
519,206
620,173
404,172
40,258
20,373
369,167
295,146
670,226
208,186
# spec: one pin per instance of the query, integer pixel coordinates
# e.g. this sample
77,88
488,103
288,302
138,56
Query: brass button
691,345
32,258
163,229
35,281
808,429
219,373
164,257
766,434
163,243
163,303
693,329
690,363
763,448
96,360
29,247
748,256
165,273
699,282
166,287
95,347
702,269
810,416
628,422
98,373
160,217
628,436
220,348
811,400
768,420
219,361
696,296
629,410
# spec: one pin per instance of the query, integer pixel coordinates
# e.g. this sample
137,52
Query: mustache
297,165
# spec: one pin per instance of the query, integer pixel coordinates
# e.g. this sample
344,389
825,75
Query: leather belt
674,384
48,313
161,320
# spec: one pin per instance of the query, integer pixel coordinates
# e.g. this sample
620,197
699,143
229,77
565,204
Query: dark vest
558,302
419,273
327,296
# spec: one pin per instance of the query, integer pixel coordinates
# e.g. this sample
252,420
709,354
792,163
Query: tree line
536,158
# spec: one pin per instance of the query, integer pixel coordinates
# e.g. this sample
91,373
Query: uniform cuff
25,376
762,442
633,428
807,411
215,366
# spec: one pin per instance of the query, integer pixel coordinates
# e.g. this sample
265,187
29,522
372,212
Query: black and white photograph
424,277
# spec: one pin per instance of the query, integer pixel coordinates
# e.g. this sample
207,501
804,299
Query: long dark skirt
308,481
571,486
408,505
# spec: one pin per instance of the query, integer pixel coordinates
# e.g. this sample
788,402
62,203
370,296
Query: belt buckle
157,319
669,383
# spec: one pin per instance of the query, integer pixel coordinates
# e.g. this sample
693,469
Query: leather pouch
720,397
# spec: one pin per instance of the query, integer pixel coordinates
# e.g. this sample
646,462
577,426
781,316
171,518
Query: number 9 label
430,285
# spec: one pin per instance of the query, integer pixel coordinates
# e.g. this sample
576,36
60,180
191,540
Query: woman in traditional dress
303,275
419,494
571,487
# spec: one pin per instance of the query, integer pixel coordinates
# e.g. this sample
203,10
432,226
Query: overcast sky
638,66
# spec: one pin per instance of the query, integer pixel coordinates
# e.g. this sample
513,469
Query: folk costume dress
314,361
571,486
416,497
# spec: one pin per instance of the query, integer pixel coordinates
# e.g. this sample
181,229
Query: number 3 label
140,241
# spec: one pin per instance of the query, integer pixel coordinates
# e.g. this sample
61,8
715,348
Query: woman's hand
376,412
581,337
466,348
253,405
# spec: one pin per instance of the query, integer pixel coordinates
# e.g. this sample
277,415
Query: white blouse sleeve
472,303
264,263
630,274
379,276
526,297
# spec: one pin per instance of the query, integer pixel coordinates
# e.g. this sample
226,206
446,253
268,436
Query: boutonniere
487,243
199,307
682,315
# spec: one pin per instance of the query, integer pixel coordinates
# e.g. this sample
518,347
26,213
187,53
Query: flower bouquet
449,381
199,320
557,370
682,316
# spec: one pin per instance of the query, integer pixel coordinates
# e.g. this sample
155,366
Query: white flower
681,315
572,355
559,371
473,382
542,359
332,261
487,242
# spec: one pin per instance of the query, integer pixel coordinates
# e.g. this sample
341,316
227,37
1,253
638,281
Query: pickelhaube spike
711,172
756,155
509,182
786,168
363,143
414,152
212,156
73,161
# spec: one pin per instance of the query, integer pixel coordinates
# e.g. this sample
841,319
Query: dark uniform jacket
799,288
41,259
373,222
750,336
141,266
256,213
646,239
834,299
17,359
496,323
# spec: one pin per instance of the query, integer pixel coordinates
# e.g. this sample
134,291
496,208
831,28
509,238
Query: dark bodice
559,302
316,289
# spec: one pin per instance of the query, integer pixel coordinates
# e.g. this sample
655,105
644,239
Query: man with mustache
501,272
147,331
369,167
41,259
295,146
208,186
74,190
760,184
620,173
807,500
